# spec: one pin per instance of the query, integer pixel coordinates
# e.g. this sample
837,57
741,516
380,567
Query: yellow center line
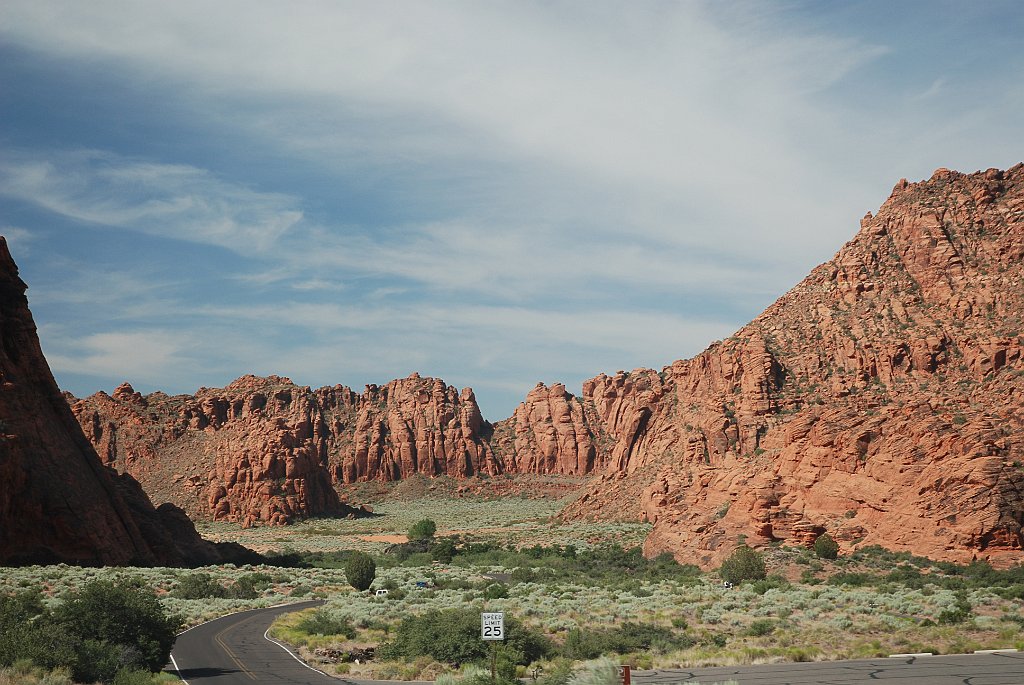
218,639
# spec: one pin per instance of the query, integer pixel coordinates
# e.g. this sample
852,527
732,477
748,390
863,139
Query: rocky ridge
266,451
879,400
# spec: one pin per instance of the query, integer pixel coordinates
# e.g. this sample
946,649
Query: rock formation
264,450
880,400
58,503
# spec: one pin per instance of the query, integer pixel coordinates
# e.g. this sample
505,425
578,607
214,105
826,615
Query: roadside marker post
625,677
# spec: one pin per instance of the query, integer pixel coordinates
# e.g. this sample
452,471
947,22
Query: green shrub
716,640
453,636
40,642
443,550
123,613
908,576
360,570
423,529
852,579
251,585
418,559
743,564
761,627
496,591
199,586
117,625
322,622
772,582
825,547
960,612
581,644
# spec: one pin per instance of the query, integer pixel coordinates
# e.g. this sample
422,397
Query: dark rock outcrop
58,503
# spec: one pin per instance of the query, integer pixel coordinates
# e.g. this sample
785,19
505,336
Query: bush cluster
743,564
323,622
105,631
453,636
605,565
630,637
205,586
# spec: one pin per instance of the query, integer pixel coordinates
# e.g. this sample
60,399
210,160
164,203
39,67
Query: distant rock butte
881,400
58,503
264,450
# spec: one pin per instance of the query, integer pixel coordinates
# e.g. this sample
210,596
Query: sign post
624,674
492,628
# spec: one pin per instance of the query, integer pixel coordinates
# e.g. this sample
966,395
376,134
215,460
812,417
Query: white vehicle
380,593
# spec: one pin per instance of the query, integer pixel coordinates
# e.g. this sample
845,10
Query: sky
492,193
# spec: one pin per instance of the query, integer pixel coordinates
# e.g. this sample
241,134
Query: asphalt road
956,669
234,650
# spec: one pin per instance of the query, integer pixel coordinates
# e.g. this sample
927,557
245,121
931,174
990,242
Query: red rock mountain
880,400
58,503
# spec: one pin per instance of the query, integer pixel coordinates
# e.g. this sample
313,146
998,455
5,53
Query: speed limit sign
492,625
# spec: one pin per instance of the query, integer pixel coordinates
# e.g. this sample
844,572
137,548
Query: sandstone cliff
264,450
58,503
881,400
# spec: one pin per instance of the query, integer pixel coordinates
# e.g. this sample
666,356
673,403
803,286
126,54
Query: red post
624,674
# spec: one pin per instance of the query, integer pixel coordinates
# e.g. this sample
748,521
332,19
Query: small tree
443,550
360,569
825,547
743,564
423,529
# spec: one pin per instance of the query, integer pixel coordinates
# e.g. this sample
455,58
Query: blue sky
493,193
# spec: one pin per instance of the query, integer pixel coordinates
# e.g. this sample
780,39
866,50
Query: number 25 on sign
492,625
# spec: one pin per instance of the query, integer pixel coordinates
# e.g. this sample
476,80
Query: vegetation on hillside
569,600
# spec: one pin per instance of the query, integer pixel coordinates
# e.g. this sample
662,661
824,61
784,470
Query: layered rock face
881,400
264,450
58,503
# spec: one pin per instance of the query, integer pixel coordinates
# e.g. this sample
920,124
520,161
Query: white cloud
663,105
172,201
149,356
